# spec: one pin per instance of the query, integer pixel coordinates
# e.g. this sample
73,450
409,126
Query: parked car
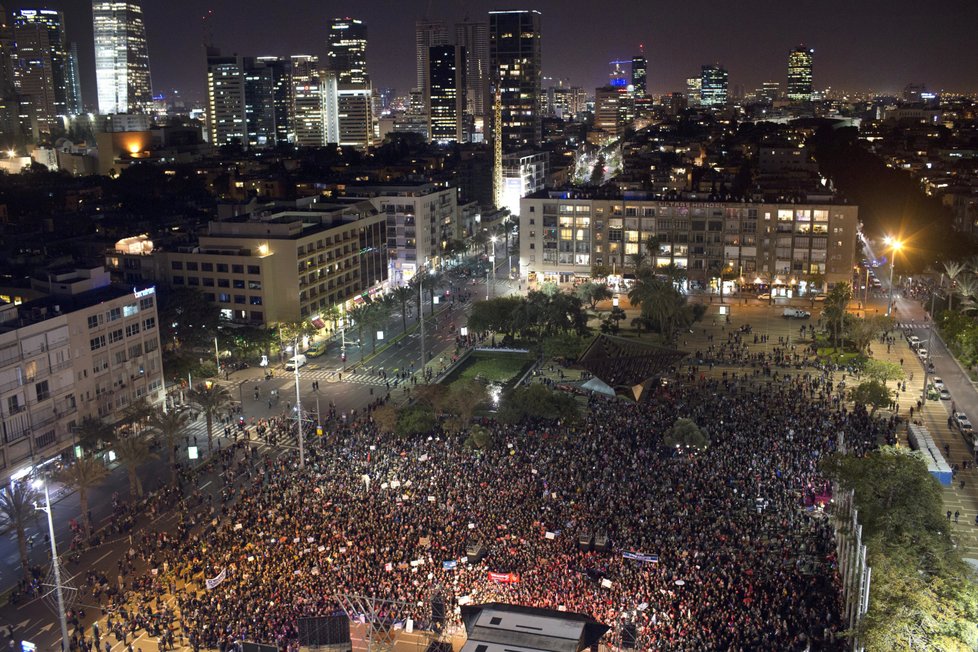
913,340
922,352
945,395
938,382
795,313
764,297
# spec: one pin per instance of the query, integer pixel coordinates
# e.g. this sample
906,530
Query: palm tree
402,294
332,315
359,315
835,310
169,426
953,269
211,400
638,260
93,432
132,452
17,502
85,474
967,289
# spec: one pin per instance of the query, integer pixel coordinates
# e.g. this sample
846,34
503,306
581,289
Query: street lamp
298,403
493,240
54,563
895,246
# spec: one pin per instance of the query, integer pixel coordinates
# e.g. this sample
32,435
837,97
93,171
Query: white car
945,395
922,352
938,383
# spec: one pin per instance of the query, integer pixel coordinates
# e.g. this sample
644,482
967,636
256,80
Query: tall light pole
493,240
421,316
895,246
298,405
55,565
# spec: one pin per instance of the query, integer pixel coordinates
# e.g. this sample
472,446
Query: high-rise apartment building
346,52
41,64
640,67
800,74
427,34
226,120
713,86
314,102
74,82
515,69
474,37
606,109
446,94
259,94
121,57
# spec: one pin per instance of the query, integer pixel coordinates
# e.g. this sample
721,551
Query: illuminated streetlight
895,245
55,564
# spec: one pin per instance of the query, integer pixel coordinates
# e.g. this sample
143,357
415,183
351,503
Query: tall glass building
515,66
42,65
346,52
800,74
713,86
121,57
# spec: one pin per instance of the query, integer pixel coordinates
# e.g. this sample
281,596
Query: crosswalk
359,378
910,325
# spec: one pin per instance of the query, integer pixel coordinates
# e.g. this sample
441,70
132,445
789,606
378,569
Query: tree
593,293
952,269
537,402
565,346
684,433
479,438
861,332
600,271
967,289
463,398
883,370
84,474
169,426
132,452
402,294
186,318
358,315
385,418
872,393
17,504
210,400
836,310
92,432
597,172
414,421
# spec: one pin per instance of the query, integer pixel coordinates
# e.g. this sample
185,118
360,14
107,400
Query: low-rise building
272,266
567,234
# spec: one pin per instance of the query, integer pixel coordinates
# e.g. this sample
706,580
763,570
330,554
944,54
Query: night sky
859,44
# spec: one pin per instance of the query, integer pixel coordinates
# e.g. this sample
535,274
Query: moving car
945,395
795,313
295,362
316,350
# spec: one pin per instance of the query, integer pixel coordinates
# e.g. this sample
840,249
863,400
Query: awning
318,323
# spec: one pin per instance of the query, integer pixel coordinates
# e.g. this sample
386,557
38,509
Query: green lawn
495,368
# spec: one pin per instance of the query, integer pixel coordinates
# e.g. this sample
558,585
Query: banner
504,578
641,556
449,565
212,583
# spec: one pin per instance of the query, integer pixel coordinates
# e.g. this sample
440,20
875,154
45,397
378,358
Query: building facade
42,67
800,74
427,34
121,57
274,267
226,119
713,86
445,99
515,68
474,37
346,52
564,234
71,356
640,67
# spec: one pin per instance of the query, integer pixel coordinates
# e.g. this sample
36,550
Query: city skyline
907,44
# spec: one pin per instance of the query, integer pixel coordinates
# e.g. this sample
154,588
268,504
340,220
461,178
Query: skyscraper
346,52
280,71
121,57
515,69
41,63
713,86
446,93
800,74
474,37
427,33
225,99
639,71
314,103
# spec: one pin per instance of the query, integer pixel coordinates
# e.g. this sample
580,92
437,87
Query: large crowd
744,556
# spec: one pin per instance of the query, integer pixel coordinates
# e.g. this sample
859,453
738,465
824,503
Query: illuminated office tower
314,103
41,64
640,67
279,73
346,52
713,86
800,74
226,123
427,34
515,70
693,88
121,57
446,94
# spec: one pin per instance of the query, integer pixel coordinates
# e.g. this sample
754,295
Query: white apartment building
87,350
